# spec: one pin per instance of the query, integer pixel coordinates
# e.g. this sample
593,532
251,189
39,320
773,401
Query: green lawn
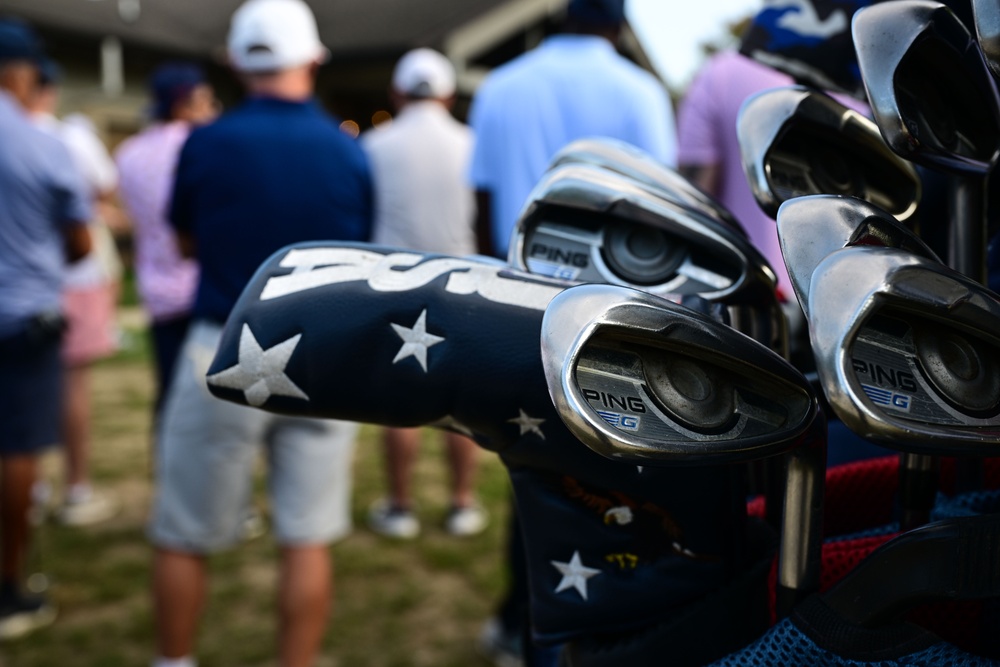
396,604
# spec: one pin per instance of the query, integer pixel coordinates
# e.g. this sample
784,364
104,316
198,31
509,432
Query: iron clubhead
810,228
637,377
798,141
587,224
635,163
908,351
930,90
987,18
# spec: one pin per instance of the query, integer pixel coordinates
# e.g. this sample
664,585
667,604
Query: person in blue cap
43,209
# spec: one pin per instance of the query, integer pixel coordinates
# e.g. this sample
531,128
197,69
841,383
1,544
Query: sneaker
390,521
85,507
253,525
21,614
499,647
466,521
41,502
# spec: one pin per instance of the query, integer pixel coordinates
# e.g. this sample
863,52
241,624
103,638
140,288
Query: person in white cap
273,171
423,202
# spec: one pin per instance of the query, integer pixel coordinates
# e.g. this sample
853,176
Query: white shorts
206,455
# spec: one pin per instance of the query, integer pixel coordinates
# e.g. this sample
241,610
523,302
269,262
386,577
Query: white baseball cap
424,73
272,35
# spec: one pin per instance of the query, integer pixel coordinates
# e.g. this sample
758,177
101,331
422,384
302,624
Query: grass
395,604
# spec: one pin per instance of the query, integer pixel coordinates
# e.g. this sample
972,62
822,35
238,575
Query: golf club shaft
800,554
967,236
918,485
967,242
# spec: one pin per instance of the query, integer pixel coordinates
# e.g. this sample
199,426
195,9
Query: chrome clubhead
987,17
908,351
931,93
639,378
635,163
588,224
798,141
810,228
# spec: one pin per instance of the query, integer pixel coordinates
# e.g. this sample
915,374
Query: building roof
347,27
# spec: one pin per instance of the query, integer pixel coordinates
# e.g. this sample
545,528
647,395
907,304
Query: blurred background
108,48
412,604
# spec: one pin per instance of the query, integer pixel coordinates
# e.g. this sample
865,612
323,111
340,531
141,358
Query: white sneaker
466,521
87,507
41,502
390,521
498,647
22,614
253,525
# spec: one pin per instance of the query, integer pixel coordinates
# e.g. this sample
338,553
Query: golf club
587,224
935,103
812,227
798,141
635,163
908,351
639,378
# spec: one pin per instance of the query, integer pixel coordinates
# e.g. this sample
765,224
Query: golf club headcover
384,336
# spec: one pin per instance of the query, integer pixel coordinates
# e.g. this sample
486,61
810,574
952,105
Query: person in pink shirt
808,37
166,281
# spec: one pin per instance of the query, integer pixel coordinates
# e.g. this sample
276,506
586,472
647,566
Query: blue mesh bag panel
816,637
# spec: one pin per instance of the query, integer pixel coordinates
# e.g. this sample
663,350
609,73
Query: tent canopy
198,27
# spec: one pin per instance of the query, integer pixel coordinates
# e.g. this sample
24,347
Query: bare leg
401,446
17,475
179,586
463,456
76,424
305,588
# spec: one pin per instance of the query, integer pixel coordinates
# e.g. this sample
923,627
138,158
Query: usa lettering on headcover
403,271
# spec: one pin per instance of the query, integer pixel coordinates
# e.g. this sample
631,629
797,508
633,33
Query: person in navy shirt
274,171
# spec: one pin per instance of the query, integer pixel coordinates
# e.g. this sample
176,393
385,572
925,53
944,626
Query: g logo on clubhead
889,399
623,422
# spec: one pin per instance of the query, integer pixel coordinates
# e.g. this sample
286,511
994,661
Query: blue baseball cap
599,12
18,41
49,72
172,82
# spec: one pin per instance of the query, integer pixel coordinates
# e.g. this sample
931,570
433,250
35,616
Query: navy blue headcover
384,336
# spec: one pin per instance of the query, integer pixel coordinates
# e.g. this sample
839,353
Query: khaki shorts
206,455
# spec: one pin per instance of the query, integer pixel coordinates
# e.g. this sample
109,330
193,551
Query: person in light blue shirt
42,209
574,85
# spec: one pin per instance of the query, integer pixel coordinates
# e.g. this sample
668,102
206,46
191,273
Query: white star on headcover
416,340
259,373
528,424
574,575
